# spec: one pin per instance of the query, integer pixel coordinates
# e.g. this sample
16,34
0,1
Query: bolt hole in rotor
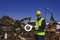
28,27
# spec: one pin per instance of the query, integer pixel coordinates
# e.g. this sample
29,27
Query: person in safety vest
40,26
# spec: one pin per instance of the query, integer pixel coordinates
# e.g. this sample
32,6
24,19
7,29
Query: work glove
37,27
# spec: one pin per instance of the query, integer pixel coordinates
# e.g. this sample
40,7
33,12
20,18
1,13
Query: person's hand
36,27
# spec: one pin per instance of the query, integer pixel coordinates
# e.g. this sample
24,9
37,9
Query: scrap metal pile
12,29
52,30
52,33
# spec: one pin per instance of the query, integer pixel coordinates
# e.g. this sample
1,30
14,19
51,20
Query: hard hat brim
38,14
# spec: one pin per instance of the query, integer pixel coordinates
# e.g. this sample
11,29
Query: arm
43,25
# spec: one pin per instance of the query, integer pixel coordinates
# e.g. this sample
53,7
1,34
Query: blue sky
19,9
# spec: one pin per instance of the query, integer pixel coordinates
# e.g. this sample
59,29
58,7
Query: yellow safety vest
39,23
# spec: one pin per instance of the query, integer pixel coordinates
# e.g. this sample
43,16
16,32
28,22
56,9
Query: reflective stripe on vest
40,33
39,23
